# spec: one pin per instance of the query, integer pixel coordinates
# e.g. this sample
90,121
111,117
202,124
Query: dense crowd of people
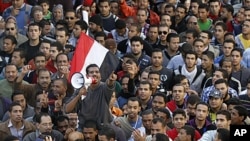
178,71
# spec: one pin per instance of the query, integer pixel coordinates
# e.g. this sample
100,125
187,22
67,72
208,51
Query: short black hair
17,92
12,38
83,25
107,131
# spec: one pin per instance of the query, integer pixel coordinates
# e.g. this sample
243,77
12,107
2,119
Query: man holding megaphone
95,106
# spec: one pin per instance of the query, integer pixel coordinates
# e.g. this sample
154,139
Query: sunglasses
164,32
9,29
71,18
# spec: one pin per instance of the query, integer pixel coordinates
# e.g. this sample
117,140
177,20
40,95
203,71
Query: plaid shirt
206,92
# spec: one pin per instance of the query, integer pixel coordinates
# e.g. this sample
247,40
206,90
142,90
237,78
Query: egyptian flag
88,51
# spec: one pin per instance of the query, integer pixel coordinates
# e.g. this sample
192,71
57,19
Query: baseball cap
215,93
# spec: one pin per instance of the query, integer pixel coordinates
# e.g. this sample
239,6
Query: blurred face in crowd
10,73
10,29
45,125
16,114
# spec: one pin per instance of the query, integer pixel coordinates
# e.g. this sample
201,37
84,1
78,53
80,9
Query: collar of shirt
11,125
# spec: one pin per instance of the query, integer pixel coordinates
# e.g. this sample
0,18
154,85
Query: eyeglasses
164,32
47,124
194,23
71,18
10,28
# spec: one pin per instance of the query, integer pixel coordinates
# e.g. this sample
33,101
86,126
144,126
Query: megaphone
78,80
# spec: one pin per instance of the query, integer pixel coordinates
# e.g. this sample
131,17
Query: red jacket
131,11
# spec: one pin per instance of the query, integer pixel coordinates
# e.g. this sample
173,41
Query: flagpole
85,17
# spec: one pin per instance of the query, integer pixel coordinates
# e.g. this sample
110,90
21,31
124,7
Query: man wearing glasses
11,29
44,125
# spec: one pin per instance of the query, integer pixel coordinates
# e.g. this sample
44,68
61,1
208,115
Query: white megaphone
78,80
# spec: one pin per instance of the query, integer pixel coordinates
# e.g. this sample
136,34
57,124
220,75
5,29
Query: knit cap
96,19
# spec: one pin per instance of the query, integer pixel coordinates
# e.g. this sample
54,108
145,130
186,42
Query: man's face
217,75
61,37
199,47
157,59
70,18
16,59
194,8
40,62
179,121
161,115
191,109
34,32
77,31
170,11
202,13
193,23
143,4
180,13
38,15
141,16
104,8
182,135
17,3
189,38
157,128
72,120
43,98
20,99
154,80
236,58
223,88
201,112
62,126
235,117
219,32
227,48
44,79
153,33
16,114
45,125
114,8
190,60
157,103
222,122
215,8
240,15
53,53
62,63
224,13
136,47
10,29
92,27
204,37
132,31
166,19
44,48
8,46
215,102
144,92
146,121
94,72
59,90
227,65
89,134
10,73
246,28
101,40
163,33
46,30
133,109
178,93
125,84
247,14
206,62
174,44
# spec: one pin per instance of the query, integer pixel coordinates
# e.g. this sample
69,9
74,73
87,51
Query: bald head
75,135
